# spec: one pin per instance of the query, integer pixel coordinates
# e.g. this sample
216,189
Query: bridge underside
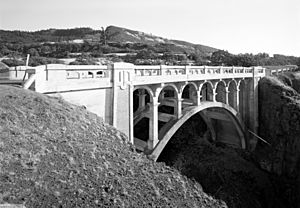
223,125
220,119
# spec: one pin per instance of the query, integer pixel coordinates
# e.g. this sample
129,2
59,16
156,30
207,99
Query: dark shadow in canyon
224,172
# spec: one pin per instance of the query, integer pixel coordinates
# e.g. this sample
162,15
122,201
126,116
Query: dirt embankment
53,154
280,126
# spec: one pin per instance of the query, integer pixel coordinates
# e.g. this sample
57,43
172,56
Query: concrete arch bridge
150,103
161,109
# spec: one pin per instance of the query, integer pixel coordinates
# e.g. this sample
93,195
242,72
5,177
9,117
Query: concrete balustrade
162,74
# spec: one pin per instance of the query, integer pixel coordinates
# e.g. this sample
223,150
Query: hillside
49,35
113,34
87,46
54,154
118,34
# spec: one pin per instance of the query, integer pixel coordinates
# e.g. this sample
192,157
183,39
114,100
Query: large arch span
189,112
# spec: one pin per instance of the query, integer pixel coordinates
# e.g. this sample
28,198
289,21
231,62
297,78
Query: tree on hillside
221,57
298,62
33,52
84,59
4,50
245,60
36,61
146,54
13,62
103,36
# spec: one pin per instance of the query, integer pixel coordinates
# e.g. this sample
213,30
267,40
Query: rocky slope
280,126
54,154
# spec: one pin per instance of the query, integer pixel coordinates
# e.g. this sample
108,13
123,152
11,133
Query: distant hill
114,35
118,34
115,44
49,35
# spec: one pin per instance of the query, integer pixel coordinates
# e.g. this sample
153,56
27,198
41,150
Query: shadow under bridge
222,122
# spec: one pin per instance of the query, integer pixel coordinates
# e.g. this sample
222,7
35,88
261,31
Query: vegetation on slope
54,154
137,47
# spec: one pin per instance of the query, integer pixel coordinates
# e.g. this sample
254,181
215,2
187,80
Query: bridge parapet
181,70
15,73
58,78
163,74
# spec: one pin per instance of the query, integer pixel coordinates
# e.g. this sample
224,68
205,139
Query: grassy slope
54,153
119,34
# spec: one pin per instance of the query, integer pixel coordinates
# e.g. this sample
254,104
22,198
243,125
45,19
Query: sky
238,26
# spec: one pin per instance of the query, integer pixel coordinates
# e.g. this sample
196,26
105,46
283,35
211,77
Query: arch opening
142,97
232,95
243,99
221,92
206,92
167,100
189,95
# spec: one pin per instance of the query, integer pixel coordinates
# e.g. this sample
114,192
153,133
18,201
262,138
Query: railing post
186,69
161,70
205,70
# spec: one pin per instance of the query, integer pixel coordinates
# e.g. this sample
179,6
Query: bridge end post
123,98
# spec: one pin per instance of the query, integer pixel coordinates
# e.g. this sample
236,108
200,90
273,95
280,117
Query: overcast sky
239,26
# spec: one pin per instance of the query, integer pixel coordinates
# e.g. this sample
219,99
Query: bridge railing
181,70
55,77
162,73
58,77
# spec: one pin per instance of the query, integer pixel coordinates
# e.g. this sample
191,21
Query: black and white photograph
150,103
